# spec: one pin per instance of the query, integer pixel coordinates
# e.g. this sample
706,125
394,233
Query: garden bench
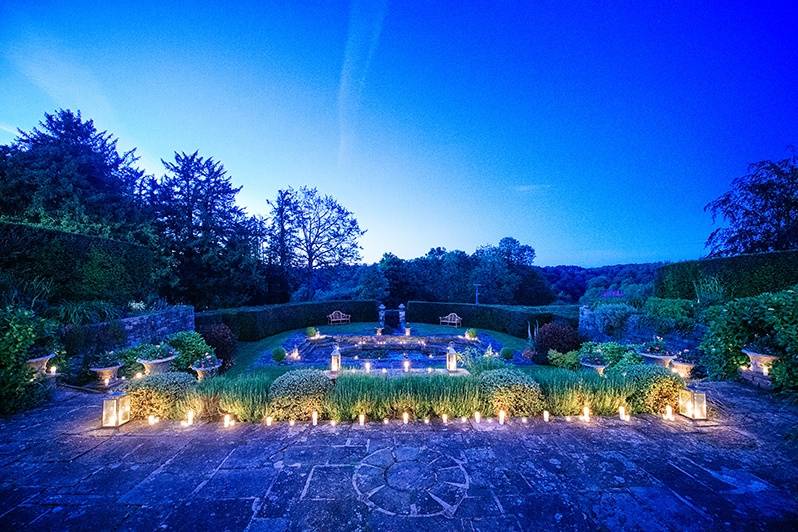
452,319
338,317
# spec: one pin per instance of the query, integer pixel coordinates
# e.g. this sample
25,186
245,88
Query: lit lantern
693,404
405,418
335,361
502,416
407,331
384,371
429,370
451,359
116,409
367,366
314,417
445,419
546,416
361,419
295,353
477,417
106,382
406,365
269,420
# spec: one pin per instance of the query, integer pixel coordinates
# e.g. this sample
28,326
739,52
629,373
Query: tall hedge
740,276
509,319
80,267
255,323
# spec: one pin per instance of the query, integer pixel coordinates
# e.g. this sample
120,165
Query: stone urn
207,372
157,366
760,362
598,368
106,375
39,364
683,369
658,360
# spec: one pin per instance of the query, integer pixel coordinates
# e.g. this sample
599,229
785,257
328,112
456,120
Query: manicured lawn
248,352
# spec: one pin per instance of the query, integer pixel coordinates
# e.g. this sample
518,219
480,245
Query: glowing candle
333,422
406,365
502,415
622,413
586,413
463,419
567,418
384,371
385,421
190,417
106,381
291,422
429,370
152,420
546,416
269,420
361,419
524,419
765,370
314,418
53,369
477,416
426,421
227,420
405,418
445,418
138,375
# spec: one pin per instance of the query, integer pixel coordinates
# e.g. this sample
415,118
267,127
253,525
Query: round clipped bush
190,346
557,336
160,395
507,353
310,332
294,395
515,393
222,340
278,354
471,334
653,387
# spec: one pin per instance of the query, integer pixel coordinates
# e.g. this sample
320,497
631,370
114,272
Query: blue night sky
595,131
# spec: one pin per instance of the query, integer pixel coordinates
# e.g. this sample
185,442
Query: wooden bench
338,317
452,319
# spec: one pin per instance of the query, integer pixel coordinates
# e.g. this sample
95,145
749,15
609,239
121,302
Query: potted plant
39,364
595,360
106,366
654,352
762,353
156,358
207,366
685,365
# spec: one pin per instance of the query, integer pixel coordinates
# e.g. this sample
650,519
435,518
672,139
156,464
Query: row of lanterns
335,362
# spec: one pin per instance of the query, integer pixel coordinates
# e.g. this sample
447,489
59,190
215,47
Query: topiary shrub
310,332
278,354
653,387
569,360
511,391
160,395
296,394
190,346
557,337
609,353
222,340
471,334
611,318
507,353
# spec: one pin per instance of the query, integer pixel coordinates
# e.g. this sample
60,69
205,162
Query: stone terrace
738,471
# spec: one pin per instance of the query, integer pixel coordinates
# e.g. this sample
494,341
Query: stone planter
207,373
39,364
158,366
106,374
657,360
760,362
683,369
598,368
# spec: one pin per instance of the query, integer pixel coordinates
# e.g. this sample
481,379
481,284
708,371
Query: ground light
546,416
116,410
692,404
502,415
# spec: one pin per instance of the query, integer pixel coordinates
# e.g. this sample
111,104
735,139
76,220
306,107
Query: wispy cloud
531,188
8,129
60,75
365,26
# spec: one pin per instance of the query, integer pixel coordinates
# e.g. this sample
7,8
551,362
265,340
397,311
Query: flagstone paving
737,471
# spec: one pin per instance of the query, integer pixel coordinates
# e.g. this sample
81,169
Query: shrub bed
513,320
161,395
246,397
255,323
653,387
566,392
296,394
666,315
511,391
740,276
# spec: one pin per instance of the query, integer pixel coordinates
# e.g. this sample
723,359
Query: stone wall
81,342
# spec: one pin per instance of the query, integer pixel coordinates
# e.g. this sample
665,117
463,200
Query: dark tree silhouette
760,211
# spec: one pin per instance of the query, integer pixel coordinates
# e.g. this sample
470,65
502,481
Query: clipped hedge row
255,323
80,267
740,276
508,319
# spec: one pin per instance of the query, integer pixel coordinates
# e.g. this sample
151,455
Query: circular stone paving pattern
411,481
